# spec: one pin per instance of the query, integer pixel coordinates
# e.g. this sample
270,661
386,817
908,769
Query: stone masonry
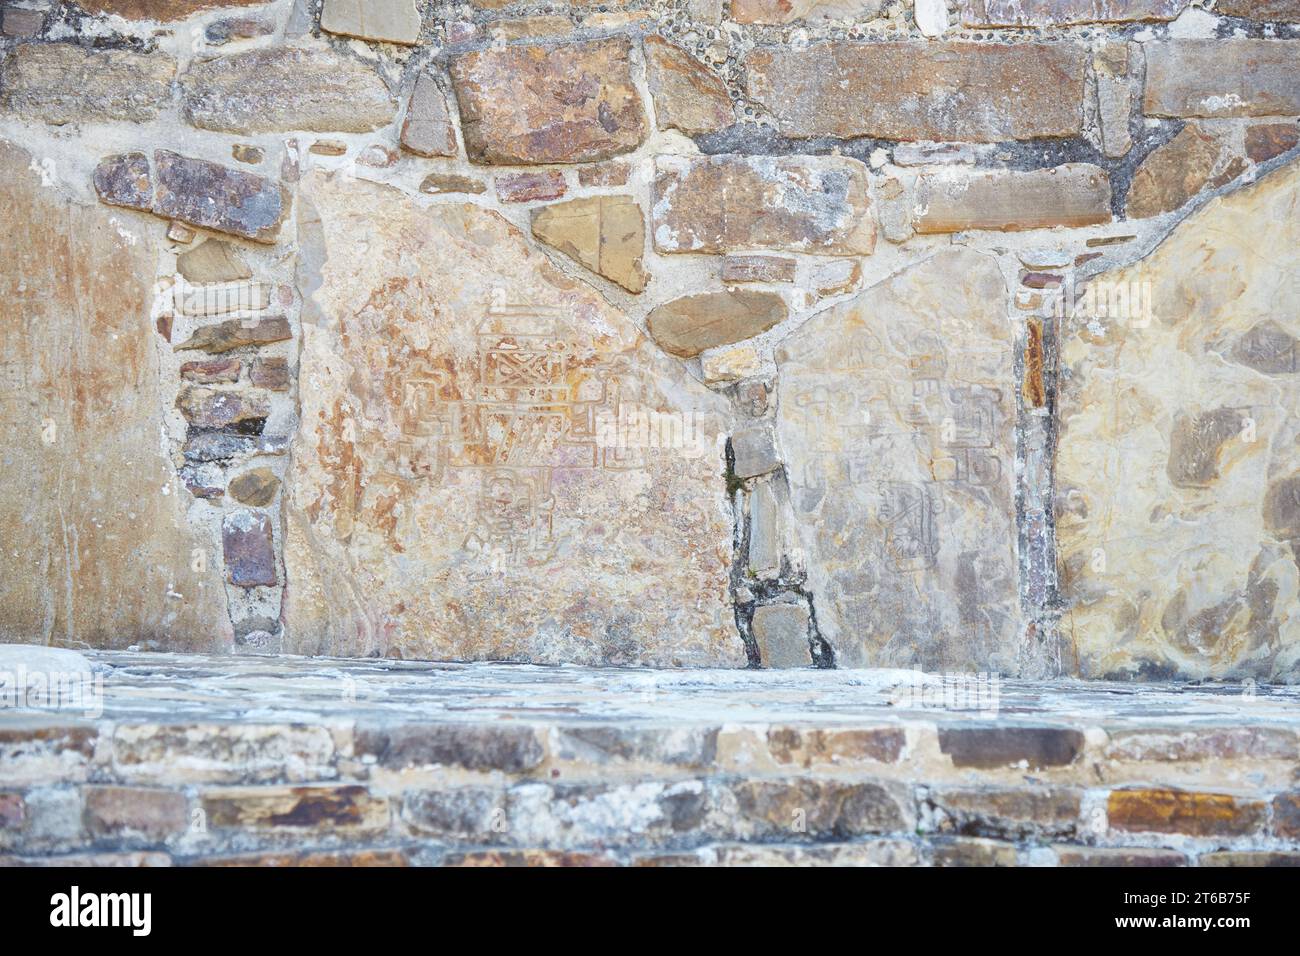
958,337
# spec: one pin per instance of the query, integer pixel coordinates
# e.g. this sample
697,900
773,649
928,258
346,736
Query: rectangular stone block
1075,194
805,808
922,90
472,746
895,421
61,83
122,814
719,204
1118,856
570,103
758,269
991,747
213,196
349,809
1185,812
1010,813
1222,78
146,753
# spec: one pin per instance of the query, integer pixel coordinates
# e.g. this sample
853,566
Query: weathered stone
222,446
109,551
767,539
1076,194
896,415
571,103
492,408
17,22
1220,78
910,90
346,809
687,326
754,452
165,11
119,813
320,858
256,487
378,156
482,747
613,173
758,269
1008,813
1286,815
1117,856
221,298
427,129
1114,108
221,32
1269,140
687,96
124,180
286,88
394,21
991,747
614,746
234,334
249,548
833,278
531,187
61,83
247,153
1209,744
213,196
1035,13
972,851
606,234
212,372
788,11
328,147
781,633
1172,174
221,752
476,814
450,183
1268,858
933,154
810,747
270,372
1176,459
804,808
1282,11
730,363
1184,811
725,203
212,261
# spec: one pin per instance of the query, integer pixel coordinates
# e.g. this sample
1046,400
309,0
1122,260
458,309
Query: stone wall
957,336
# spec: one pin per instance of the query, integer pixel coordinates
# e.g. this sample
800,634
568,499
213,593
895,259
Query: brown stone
348,809
277,89
450,183
234,334
249,548
571,103
1117,856
1173,173
217,197
1271,139
1286,815
247,153
992,747
1009,813
1034,390
212,261
972,851
256,487
1035,13
1278,11
122,812
687,95
393,21
212,372
319,858
1268,858
529,858
221,32
811,747
531,187
61,83
922,90
124,180
1076,194
270,372
79,386
718,204
606,234
1222,78
687,326
17,22
481,747
788,11
328,147
427,129
1183,811
165,11
614,173
758,269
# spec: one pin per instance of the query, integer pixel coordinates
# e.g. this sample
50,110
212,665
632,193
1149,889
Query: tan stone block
349,809
427,129
1173,173
758,269
1035,13
781,633
606,234
1181,811
1222,78
687,95
687,326
1075,194
394,21
61,83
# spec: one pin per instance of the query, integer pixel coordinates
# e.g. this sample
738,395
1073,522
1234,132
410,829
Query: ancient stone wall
958,336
